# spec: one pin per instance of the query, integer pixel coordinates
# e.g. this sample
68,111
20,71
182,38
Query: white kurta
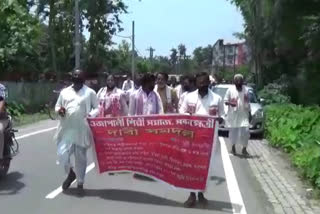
237,116
74,128
127,85
179,90
142,104
211,104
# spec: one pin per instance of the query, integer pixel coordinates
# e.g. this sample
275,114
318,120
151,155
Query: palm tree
182,51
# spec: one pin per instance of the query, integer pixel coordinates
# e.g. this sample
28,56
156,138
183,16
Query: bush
274,93
15,109
296,129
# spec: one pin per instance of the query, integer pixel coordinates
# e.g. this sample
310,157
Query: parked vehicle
257,122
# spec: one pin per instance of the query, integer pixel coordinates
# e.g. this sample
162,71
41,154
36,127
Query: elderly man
202,102
238,115
3,118
112,101
167,94
73,137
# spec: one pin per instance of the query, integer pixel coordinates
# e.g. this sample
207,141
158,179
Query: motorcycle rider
4,120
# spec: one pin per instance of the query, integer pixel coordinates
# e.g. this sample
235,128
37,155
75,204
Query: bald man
73,137
238,114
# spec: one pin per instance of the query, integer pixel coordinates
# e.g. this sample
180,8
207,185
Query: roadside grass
26,119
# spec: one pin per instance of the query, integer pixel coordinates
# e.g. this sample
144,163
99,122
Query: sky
164,24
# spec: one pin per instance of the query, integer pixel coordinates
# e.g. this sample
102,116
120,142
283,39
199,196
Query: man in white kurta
237,121
202,102
145,101
74,136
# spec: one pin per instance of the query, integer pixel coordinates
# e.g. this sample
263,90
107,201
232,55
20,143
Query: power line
125,37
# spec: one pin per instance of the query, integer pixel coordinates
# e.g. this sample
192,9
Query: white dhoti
240,135
73,137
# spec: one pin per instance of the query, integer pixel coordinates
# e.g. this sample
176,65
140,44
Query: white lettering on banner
135,122
108,123
209,124
159,122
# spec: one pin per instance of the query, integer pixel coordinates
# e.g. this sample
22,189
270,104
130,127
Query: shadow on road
219,180
248,157
10,185
145,198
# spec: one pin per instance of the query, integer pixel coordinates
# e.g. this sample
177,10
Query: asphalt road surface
33,185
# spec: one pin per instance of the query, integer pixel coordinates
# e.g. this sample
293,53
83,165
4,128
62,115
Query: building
229,55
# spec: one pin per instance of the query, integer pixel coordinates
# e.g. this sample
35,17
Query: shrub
15,109
296,129
274,93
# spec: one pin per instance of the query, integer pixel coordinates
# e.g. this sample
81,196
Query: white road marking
59,190
232,183
35,133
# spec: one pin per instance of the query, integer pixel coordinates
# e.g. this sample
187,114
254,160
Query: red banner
173,148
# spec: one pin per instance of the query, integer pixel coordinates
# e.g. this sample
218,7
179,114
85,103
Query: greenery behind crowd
37,38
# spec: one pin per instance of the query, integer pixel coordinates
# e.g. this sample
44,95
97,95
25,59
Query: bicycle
51,105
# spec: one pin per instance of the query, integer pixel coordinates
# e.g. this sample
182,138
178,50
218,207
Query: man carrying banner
74,137
167,94
145,101
202,102
112,101
238,115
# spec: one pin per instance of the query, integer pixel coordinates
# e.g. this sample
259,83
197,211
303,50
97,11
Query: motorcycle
11,148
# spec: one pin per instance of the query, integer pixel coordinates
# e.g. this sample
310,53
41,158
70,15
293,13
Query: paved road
32,185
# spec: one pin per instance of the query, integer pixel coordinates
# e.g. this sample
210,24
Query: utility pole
77,35
151,51
133,52
234,59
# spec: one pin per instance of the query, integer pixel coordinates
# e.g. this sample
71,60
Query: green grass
26,119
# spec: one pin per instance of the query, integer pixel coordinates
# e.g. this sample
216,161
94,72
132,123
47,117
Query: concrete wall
32,95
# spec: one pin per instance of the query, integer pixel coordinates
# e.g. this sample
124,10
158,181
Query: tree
19,34
182,51
279,49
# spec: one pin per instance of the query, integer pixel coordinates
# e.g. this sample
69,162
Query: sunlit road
33,185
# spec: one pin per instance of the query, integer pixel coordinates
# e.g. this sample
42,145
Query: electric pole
151,51
133,52
77,35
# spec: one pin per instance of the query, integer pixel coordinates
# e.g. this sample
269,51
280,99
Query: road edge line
59,190
35,133
232,183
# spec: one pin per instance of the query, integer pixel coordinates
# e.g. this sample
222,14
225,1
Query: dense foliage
284,39
296,129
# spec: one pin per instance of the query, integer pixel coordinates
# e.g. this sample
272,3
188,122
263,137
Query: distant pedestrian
238,114
127,84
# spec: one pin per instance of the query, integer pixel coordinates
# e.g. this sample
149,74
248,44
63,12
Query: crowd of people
147,94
